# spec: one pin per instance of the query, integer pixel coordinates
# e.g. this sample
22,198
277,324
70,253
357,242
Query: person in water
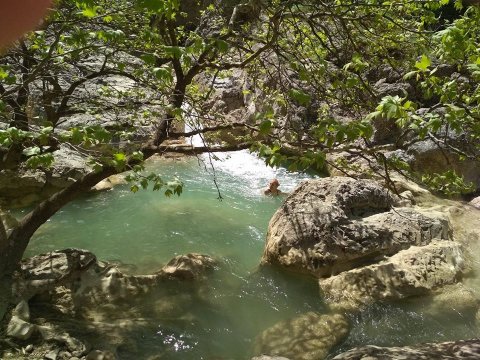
273,188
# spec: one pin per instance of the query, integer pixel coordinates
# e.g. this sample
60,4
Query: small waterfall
245,170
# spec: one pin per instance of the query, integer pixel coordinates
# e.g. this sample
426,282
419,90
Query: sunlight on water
143,231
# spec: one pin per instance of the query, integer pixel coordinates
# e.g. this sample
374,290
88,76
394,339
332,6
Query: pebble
29,348
52,355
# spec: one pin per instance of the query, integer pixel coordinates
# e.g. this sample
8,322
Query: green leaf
423,64
35,150
164,74
173,51
120,157
222,46
89,12
300,96
265,127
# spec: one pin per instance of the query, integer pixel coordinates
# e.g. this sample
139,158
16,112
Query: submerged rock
100,355
189,267
74,297
307,337
463,349
335,224
411,272
91,281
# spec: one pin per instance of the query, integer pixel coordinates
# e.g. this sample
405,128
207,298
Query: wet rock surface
90,308
307,337
335,224
464,349
189,267
92,281
412,272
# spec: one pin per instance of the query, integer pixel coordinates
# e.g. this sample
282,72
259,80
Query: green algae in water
221,319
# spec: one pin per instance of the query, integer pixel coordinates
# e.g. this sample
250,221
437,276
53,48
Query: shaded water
145,230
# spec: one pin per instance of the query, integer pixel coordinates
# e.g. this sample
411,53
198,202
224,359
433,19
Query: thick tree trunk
13,247
20,236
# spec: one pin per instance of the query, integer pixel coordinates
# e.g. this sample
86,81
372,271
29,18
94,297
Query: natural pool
143,231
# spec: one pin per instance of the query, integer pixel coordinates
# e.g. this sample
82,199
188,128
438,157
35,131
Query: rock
52,355
462,349
475,202
429,158
19,326
106,284
20,329
100,355
403,185
383,88
229,92
51,333
9,222
386,130
44,272
21,182
384,71
73,278
406,199
411,272
103,185
307,337
335,224
65,355
189,267
29,348
109,183
454,298
22,311
68,166
20,187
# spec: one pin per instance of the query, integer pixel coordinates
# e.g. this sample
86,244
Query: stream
142,231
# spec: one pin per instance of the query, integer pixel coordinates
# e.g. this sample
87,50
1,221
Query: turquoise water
147,229
143,231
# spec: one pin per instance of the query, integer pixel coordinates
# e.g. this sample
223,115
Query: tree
316,57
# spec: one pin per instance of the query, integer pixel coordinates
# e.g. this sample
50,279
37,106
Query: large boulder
68,167
412,272
463,349
20,187
428,158
16,184
307,337
331,225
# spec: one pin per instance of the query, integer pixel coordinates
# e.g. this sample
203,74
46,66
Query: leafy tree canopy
116,80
